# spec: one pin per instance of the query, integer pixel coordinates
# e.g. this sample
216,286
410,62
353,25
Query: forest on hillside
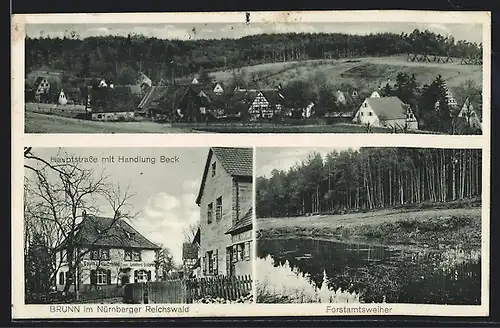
370,178
114,56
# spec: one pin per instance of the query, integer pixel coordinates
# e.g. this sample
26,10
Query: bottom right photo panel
368,225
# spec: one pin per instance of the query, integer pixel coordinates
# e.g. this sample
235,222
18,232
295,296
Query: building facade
388,112
225,198
107,251
266,104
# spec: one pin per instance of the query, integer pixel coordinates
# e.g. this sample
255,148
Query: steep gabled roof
156,93
476,104
273,96
244,224
236,162
387,108
189,251
108,232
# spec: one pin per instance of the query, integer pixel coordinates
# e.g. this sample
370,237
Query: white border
22,311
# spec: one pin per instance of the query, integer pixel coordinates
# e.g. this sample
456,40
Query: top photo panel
254,76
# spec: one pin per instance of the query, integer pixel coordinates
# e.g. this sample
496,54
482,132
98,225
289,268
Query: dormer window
214,168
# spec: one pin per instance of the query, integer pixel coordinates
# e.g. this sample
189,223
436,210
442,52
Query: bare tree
190,232
57,196
164,263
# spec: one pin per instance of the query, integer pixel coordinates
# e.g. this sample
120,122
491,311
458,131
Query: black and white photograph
394,225
138,225
254,77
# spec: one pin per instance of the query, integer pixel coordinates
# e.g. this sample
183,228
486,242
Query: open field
372,71
44,123
41,123
432,226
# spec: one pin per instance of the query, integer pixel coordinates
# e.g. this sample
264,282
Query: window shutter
93,277
247,251
135,276
205,264
149,275
228,261
216,261
108,276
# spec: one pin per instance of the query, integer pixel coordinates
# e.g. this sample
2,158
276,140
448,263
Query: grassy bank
436,228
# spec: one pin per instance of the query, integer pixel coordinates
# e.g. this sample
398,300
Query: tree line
370,178
112,56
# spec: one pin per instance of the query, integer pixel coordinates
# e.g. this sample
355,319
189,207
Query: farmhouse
40,81
62,100
225,201
341,97
388,112
266,103
190,258
112,253
111,104
472,114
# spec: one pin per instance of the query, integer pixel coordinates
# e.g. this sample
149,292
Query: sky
165,193
268,159
468,32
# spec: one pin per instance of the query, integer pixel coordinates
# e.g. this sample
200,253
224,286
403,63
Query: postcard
316,163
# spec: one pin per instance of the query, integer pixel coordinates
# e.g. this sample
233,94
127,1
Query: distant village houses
472,113
225,201
114,254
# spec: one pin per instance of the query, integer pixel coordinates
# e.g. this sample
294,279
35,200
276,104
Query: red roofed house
112,253
389,112
225,201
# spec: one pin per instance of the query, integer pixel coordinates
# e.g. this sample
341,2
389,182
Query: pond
305,269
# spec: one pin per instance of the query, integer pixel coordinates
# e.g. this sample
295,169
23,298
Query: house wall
242,198
114,264
212,235
112,116
243,266
260,107
365,115
470,116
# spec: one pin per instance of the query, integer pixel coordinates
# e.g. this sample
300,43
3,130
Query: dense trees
370,178
166,58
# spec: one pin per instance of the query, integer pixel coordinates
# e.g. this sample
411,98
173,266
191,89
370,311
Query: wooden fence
187,290
101,293
229,288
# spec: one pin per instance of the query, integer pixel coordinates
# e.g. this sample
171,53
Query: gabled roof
244,224
189,251
476,104
273,96
108,232
238,162
172,93
197,237
387,108
50,74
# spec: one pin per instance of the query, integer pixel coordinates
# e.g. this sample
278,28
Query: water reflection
375,273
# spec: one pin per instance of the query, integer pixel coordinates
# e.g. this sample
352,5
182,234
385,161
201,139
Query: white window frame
101,277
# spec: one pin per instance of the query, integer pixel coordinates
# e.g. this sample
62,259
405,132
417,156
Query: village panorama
108,233
387,78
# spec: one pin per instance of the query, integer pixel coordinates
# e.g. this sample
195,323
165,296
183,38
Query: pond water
369,272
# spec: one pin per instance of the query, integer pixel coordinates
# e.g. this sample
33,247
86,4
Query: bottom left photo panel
138,225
